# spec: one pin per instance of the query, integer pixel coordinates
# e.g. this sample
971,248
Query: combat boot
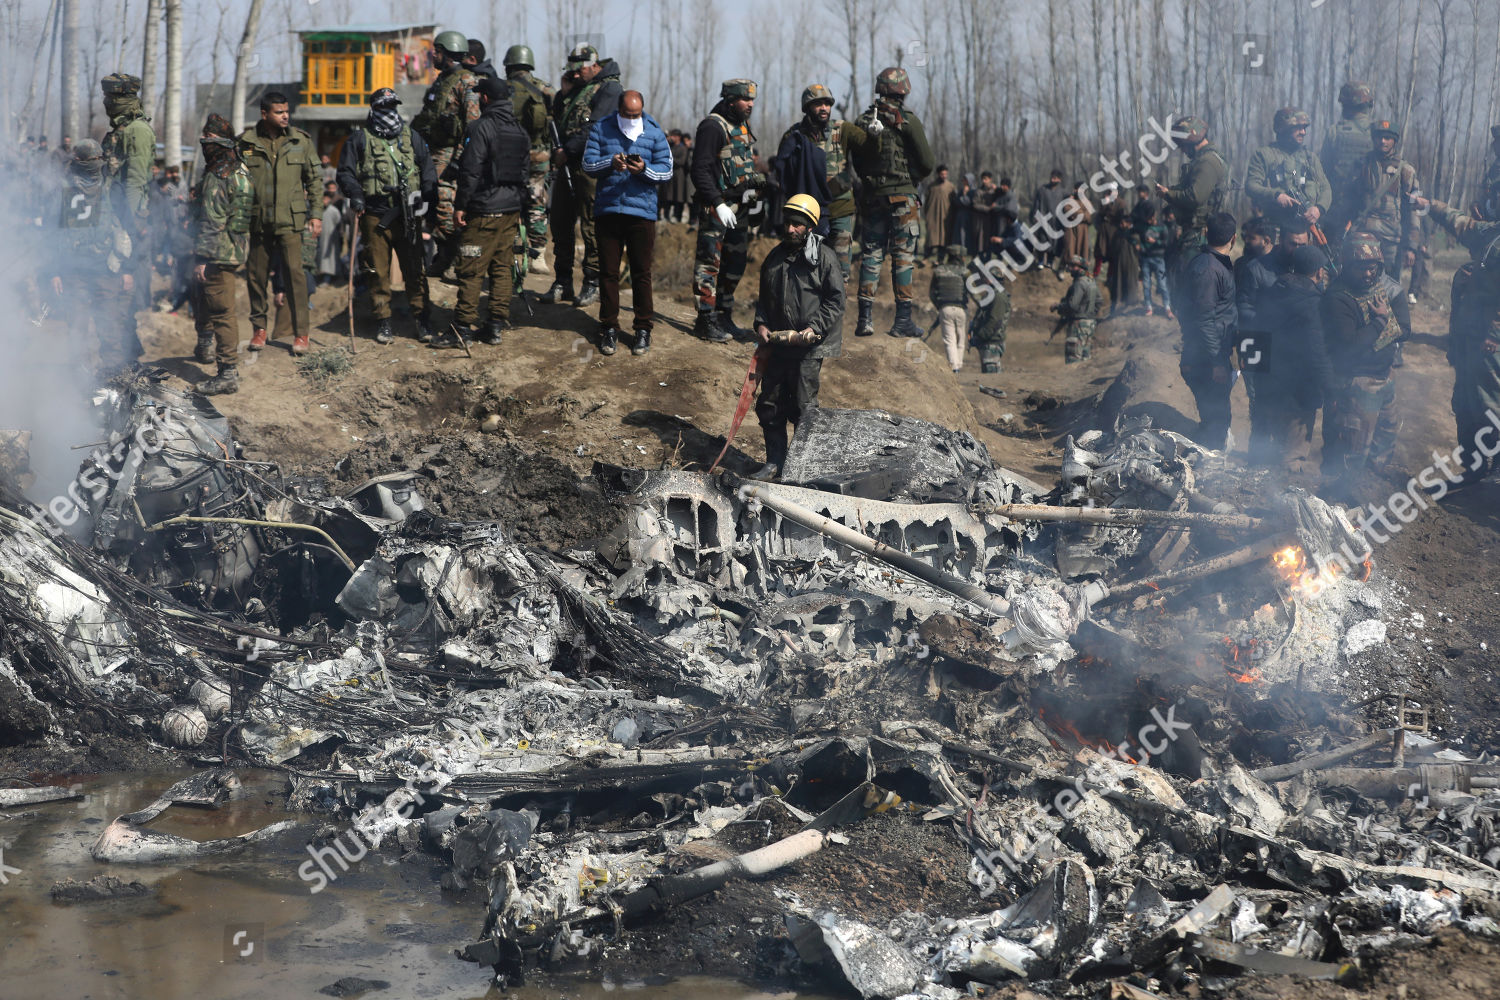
494,333
442,260
383,334
588,294
454,336
559,292
222,384
424,326
865,326
903,326
775,455
203,351
538,263
706,326
725,317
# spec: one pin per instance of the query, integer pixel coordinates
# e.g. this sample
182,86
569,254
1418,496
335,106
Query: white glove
875,127
726,216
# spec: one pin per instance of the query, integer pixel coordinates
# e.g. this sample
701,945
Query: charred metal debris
1134,706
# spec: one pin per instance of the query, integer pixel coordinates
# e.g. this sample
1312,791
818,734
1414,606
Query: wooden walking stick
353,244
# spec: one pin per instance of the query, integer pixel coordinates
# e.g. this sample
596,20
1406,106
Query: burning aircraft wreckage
1120,699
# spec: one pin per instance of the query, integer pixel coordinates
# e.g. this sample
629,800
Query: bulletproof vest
737,156
1208,159
1383,189
88,225
1088,308
510,165
948,285
385,163
1348,142
990,322
578,108
524,93
1372,302
442,121
1289,171
887,163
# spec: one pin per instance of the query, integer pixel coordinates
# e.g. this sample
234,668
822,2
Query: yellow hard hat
805,204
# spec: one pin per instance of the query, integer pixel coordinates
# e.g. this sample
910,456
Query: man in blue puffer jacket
627,153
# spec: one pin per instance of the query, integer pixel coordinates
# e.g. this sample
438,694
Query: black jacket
1252,276
1295,363
796,293
1207,314
1351,339
496,157
379,201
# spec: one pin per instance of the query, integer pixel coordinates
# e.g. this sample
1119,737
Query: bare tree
243,59
172,126
148,57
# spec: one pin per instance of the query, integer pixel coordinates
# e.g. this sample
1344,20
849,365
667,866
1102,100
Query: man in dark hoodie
723,173
478,62
487,207
1290,384
799,317
590,92
1205,311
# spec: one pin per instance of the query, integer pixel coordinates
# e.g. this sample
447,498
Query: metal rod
293,525
1317,760
1117,515
885,553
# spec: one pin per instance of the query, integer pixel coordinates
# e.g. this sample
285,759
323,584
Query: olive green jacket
287,176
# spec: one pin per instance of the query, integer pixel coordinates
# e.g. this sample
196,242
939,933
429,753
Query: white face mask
632,128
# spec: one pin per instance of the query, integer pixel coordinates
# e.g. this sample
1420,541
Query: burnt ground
558,407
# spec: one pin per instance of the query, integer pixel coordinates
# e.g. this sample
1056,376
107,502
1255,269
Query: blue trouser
1154,269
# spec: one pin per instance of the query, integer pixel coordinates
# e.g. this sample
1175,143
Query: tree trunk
148,62
70,69
243,60
171,133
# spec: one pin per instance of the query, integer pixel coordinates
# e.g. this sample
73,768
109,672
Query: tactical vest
1290,171
737,155
1215,200
89,230
947,285
385,163
1348,142
523,92
1381,191
578,108
442,121
1088,309
887,163
991,320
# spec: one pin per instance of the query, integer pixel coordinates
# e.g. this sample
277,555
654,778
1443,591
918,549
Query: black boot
609,339
454,336
442,259
424,326
707,327
724,315
559,292
642,342
588,294
383,334
865,326
222,384
203,351
495,331
903,326
775,455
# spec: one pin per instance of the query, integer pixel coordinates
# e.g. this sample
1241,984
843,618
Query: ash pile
1124,702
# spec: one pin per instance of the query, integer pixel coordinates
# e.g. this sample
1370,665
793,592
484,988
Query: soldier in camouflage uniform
1473,333
449,107
221,245
591,92
90,266
891,162
532,100
1079,310
725,178
949,299
1198,193
1383,199
1284,179
1489,188
129,152
1344,148
1364,320
834,137
987,328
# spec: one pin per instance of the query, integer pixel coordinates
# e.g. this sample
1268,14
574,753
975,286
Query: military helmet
583,54
738,88
893,82
452,42
88,149
1287,119
1384,127
519,55
117,84
814,93
1356,92
1190,129
1361,247
804,204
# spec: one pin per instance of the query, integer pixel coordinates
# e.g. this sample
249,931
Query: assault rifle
558,144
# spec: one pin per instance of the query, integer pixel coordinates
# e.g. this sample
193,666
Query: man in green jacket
531,99
1198,193
449,107
288,178
799,316
891,162
221,244
1284,179
129,152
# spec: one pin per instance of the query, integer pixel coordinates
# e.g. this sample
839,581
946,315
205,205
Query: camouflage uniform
1344,148
1199,193
1286,167
575,113
91,258
892,160
1489,188
221,242
720,257
532,100
1475,320
1382,203
987,330
448,109
1079,309
835,140
129,152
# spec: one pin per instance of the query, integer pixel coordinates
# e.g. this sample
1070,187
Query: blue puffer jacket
619,191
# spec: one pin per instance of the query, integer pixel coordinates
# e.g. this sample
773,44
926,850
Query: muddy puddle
244,925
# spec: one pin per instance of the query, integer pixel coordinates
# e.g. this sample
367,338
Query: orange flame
1067,728
1232,651
1304,579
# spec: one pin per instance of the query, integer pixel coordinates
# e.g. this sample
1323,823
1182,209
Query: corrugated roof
366,29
